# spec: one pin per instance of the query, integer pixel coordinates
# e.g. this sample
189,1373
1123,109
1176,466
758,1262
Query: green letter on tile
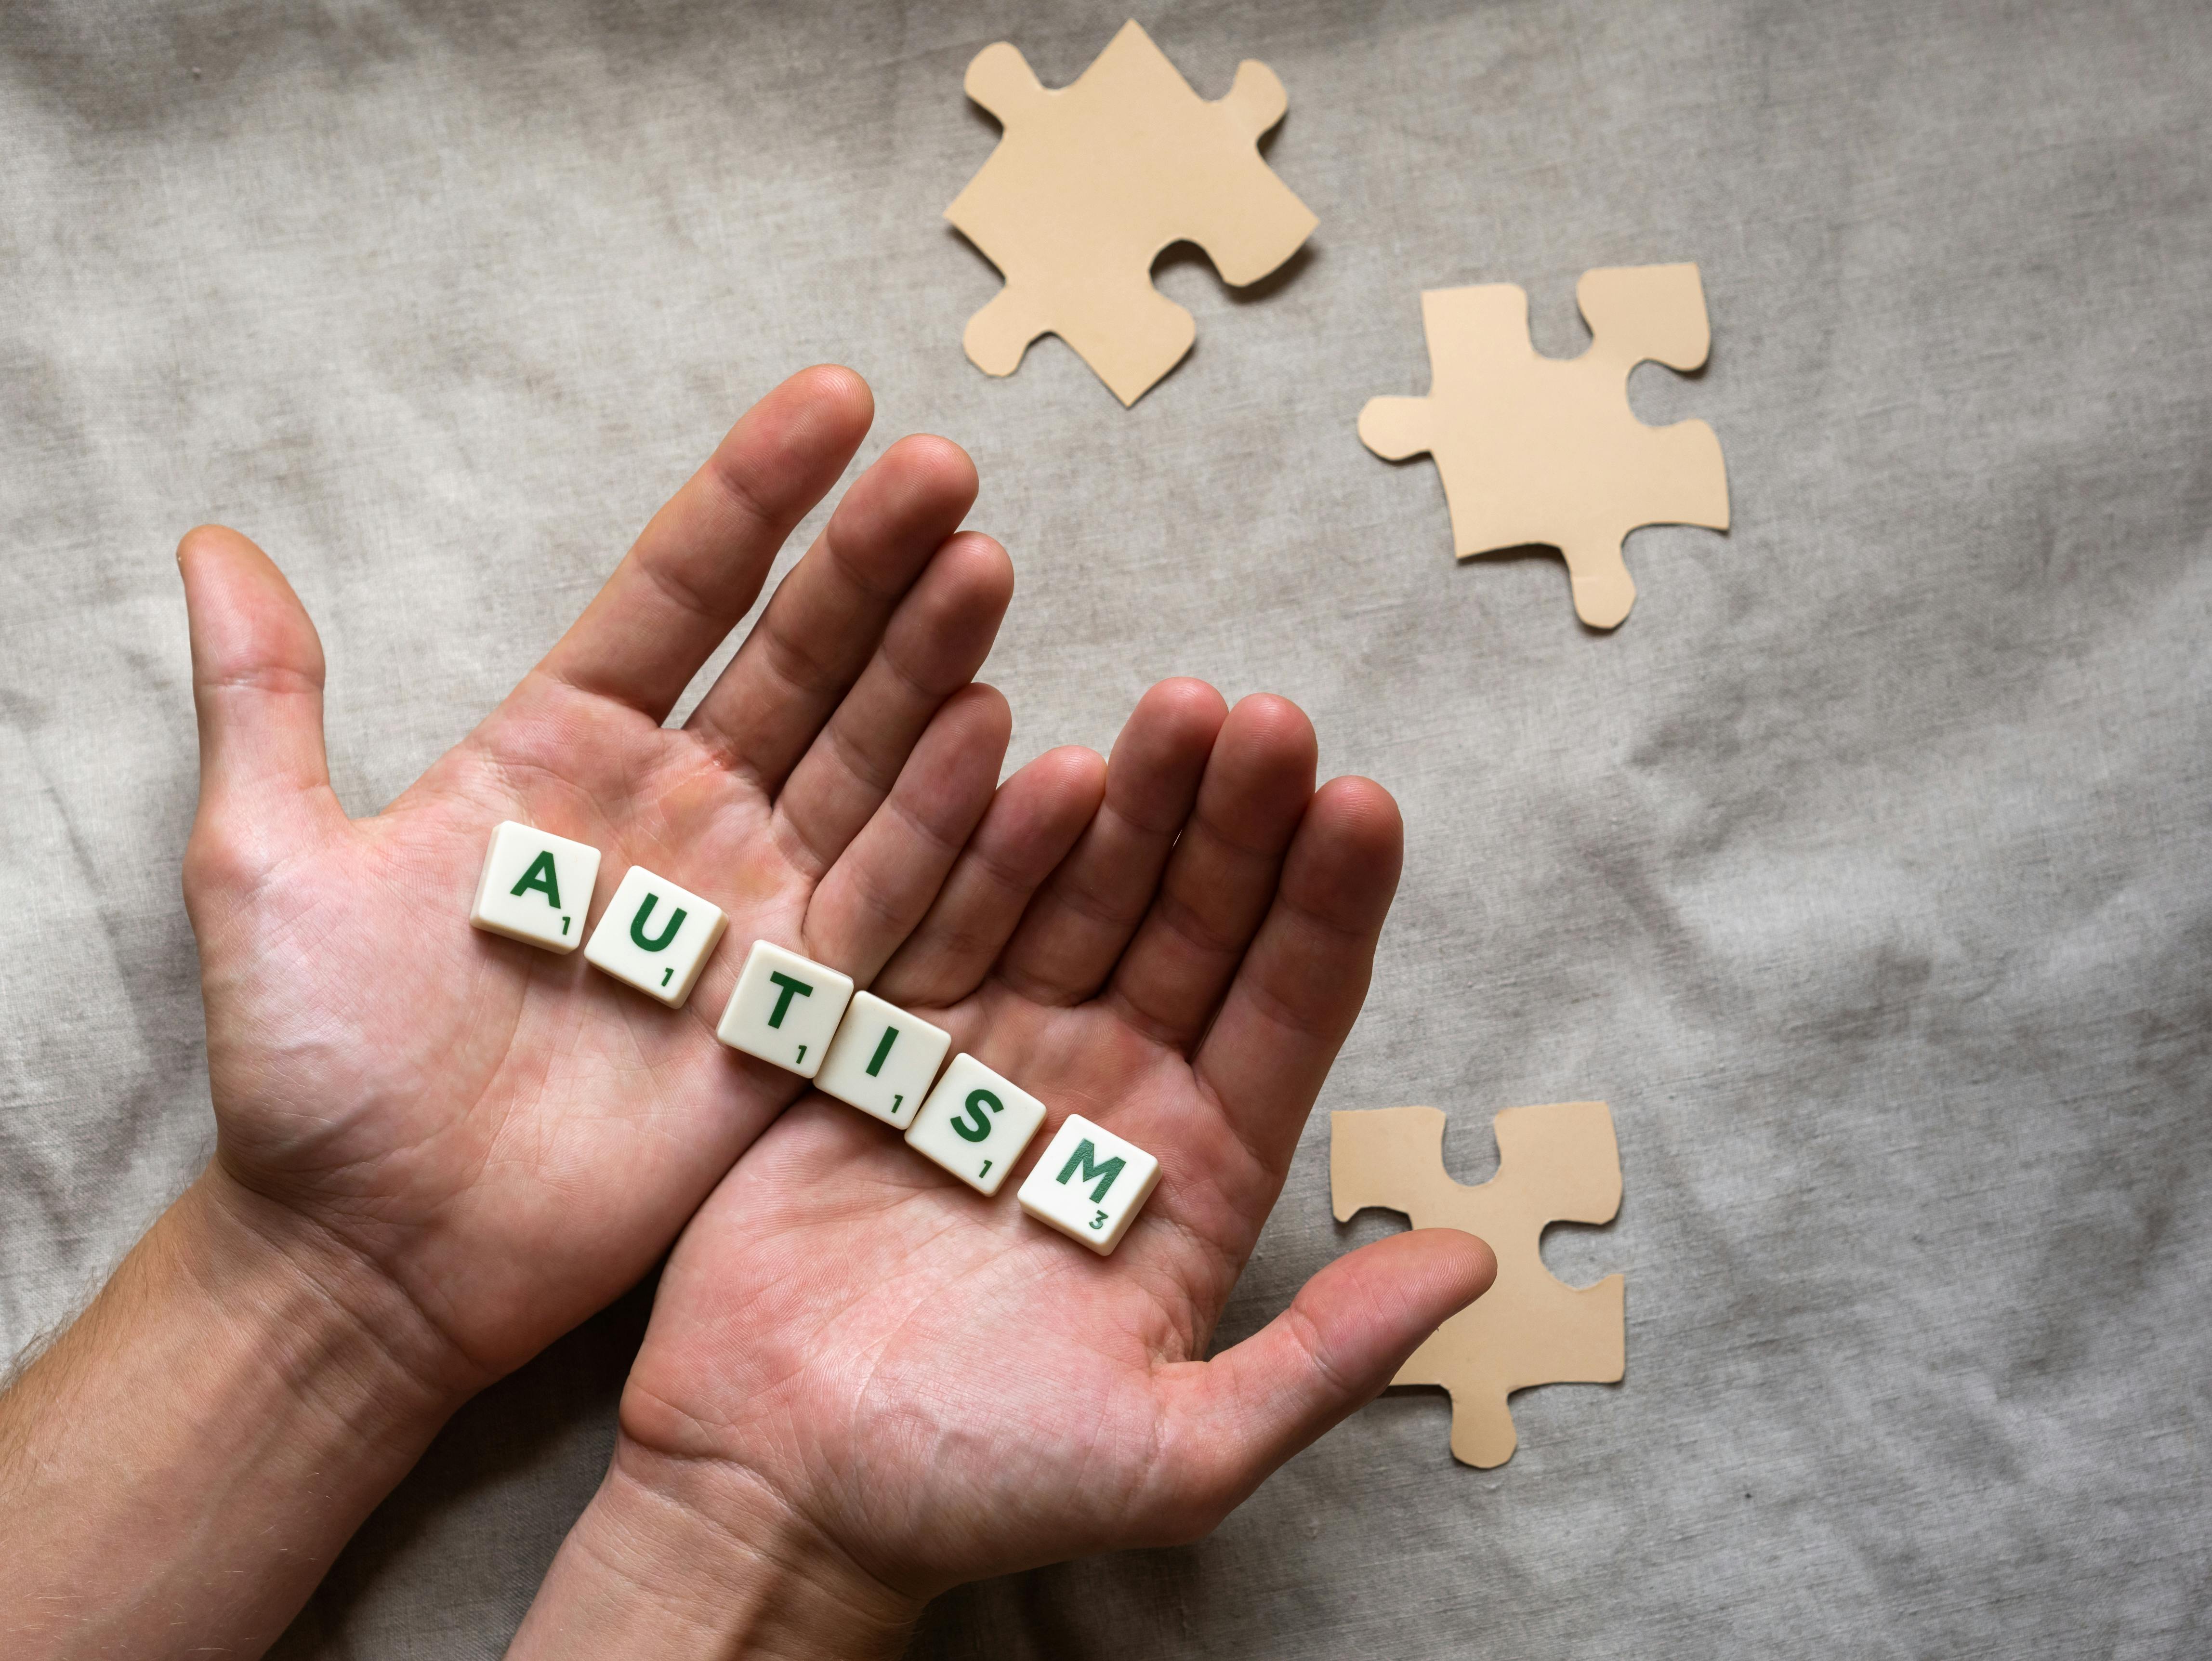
788,988
975,1127
543,878
882,1051
1086,1159
637,926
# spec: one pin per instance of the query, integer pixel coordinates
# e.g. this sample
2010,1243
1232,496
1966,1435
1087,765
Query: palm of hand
943,1387
514,1137
511,1113
941,1375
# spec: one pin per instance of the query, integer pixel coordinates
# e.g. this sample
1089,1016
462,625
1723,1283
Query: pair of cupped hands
857,1371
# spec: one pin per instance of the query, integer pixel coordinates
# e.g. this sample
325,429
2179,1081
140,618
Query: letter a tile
535,887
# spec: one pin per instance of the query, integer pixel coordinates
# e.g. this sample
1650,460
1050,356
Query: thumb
257,687
1233,1420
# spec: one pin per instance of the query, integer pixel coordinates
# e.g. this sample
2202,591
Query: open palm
940,1387
508,1136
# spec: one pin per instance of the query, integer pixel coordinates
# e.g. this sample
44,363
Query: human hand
863,1382
506,1137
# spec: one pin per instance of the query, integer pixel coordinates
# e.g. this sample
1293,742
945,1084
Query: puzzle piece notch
1555,1164
1545,450
1090,182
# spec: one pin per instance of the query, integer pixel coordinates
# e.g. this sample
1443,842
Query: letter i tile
882,1059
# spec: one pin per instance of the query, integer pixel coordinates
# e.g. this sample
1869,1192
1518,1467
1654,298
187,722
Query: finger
1300,984
699,564
873,897
1028,829
937,640
1078,927
257,687
1223,871
1231,1421
823,624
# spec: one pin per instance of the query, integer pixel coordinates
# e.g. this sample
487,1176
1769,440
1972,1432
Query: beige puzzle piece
1546,450
1090,182
1555,1164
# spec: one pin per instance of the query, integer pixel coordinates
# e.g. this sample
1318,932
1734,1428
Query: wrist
687,1557
179,1470
344,1341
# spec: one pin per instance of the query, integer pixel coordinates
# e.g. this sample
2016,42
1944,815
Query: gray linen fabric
1864,871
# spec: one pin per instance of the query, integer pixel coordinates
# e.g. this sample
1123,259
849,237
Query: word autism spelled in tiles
808,1019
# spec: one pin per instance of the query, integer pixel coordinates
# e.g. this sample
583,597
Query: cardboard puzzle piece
1090,182
1556,1164
1545,449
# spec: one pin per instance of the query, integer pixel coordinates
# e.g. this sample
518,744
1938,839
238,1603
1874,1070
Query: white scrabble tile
786,1009
656,936
1090,1184
975,1124
535,887
882,1059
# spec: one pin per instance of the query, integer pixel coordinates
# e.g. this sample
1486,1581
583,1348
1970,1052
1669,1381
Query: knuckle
1198,1504
218,864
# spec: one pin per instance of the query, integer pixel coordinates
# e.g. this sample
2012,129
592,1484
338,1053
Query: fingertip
1347,1332
210,542
209,553
1179,717
1364,800
1459,1267
965,741
1274,720
900,514
829,410
1043,809
257,690
983,709
1183,699
983,569
836,393
241,611
1362,818
1375,1306
1071,769
783,455
1054,795
1160,756
1261,771
933,467
1063,785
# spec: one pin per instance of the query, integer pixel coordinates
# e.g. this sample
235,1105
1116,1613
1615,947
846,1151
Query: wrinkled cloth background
1864,871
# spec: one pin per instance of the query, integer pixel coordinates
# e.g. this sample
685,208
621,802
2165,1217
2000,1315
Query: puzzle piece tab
1556,1164
1546,450
1090,182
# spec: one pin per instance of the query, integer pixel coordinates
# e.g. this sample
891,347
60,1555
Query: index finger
697,567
